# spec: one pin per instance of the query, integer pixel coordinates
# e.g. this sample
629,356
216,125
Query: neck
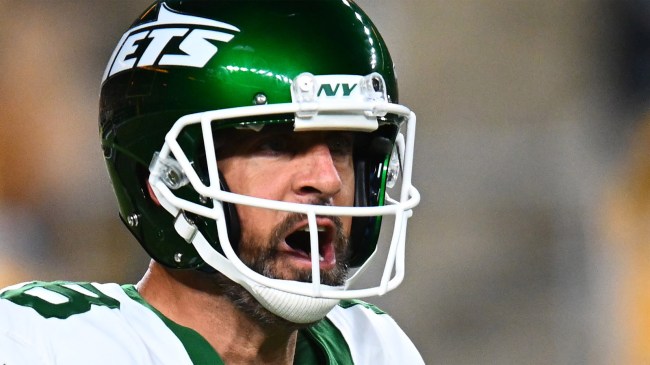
193,299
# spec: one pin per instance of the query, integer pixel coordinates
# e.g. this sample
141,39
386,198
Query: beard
262,258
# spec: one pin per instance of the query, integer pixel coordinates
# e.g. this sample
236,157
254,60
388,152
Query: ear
152,195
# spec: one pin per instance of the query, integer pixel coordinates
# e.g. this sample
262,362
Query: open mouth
300,244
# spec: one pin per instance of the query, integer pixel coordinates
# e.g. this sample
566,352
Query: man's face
306,167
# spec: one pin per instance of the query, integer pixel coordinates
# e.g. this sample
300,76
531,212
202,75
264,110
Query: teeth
320,258
319,229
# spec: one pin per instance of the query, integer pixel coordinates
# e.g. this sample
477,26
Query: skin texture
278,164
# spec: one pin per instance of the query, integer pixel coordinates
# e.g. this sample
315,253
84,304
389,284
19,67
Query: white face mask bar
172,169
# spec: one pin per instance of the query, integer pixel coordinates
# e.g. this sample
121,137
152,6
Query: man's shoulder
372,335
337,334
38,317
351,303
358,318
359,312
82,322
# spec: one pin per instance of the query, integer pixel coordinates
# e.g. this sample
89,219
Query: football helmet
186,71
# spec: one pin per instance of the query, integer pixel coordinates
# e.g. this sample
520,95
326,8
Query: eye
340,144
274,144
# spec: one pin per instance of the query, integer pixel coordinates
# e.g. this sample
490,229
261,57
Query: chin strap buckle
185,227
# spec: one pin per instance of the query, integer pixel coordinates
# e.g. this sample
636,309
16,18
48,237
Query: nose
316,174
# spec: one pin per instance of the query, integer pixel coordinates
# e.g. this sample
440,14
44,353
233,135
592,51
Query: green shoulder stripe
198,349
351,303
59,299
322,343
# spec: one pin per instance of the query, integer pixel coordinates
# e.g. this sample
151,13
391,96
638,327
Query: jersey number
59,299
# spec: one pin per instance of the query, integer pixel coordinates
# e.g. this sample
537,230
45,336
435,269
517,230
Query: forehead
233,139
234,135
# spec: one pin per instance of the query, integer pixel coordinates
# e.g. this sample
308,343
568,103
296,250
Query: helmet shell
245,48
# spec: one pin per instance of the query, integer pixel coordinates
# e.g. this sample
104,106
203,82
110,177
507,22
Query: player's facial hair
261,258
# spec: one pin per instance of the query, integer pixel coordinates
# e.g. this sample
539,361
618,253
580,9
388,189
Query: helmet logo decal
324,92
146,44
330,90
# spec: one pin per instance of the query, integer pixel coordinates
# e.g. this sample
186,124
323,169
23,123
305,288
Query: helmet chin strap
294,308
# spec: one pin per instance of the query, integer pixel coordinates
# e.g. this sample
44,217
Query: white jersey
66,323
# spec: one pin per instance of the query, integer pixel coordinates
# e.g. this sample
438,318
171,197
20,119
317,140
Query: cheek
345,197
242,178
257,224
250,177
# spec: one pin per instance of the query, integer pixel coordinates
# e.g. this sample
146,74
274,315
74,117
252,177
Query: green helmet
187,70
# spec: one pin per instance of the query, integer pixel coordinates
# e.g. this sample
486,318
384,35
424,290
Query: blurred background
532,243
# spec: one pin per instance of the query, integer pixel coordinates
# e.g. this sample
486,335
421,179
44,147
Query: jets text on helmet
147,45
